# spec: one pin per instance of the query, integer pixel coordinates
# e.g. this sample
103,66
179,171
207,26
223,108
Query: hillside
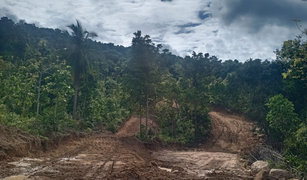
60,81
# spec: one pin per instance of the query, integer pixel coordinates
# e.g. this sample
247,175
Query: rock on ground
260,165
261,175
280,174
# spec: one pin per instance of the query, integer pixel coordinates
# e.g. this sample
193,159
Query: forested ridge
53,81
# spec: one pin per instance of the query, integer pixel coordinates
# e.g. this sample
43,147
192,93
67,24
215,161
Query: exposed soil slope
14,142
132,126
230,133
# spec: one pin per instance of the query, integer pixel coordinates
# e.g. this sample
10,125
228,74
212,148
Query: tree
281,116
196,69
143,71
78,57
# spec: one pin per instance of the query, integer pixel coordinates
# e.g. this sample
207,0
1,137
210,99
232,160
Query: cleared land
122,156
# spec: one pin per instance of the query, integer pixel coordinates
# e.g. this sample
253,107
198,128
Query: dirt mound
16,143
132,126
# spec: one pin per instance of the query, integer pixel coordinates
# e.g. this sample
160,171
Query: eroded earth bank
122,156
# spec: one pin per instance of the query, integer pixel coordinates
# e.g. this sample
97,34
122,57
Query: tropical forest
79,108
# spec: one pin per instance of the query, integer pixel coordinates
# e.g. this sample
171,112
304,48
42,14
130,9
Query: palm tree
78,56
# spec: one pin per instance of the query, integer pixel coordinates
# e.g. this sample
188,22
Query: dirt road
219,157
122,156
99,156
230,133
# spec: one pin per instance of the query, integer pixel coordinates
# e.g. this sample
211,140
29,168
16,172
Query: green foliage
142,134
17,92
174,126
21,91
296,152
107,104
246,87
115,81
36,91
177,124
217,91
15,120
111,82
292,131
281,116
143,73
293,55
52,121
294,52
78,57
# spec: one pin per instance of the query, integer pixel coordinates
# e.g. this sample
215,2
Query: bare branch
299,27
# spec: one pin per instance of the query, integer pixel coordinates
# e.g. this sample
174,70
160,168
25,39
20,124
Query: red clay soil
122,156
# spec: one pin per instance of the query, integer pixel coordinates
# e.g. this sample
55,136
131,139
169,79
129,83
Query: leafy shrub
177,124
12,119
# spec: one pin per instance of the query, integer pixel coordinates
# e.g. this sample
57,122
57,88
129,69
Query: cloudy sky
228,29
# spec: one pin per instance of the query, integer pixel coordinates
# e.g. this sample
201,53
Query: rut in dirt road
95,157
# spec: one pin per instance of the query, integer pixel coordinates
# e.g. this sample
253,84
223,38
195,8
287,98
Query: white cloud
174,23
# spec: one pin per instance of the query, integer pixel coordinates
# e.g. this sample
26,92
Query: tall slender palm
78,56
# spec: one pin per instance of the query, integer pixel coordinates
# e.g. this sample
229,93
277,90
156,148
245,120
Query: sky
228,29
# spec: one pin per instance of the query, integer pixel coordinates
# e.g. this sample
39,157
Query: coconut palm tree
78,56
